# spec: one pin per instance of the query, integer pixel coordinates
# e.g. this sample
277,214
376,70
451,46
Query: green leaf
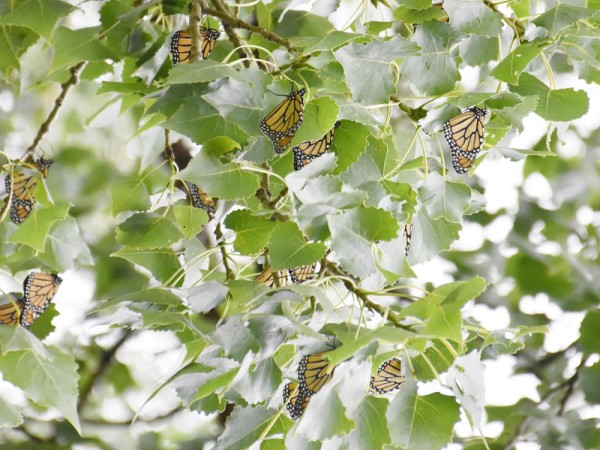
473,17
418,16
50,381
510,68
161,263
202,71
200,121
225,181
323,42
36,15
560,105
465,378
325,416
73,46
190,220
353,232
421,422
589,383
147,231
10,415
416,4
289,249
245,425
479,50
445,198
534,274
252,232
590,333
371,425
367,68
561,17
130,195
65,247
206,296
260,382
319,117
430,236
34,230
434,70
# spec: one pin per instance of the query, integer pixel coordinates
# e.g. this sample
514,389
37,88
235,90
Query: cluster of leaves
161,264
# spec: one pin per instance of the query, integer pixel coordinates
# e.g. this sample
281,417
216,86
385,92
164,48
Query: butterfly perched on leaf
305,152
281,124
38,291
465,134
314,371
295,400
181,44
201,200
22,185
297,275
388,377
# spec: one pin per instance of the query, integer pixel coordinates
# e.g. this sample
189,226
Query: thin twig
221,243
238,23
45,127
515,24
362,296
414,114
223,11
263,194
104,363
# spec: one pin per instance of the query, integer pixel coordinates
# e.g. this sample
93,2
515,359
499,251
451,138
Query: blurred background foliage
162,337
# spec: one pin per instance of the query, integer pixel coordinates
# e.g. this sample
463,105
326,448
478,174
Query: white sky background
153,356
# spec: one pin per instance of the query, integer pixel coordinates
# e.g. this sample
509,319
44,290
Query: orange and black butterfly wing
295,400
181,47
305,152
313,372
388,378
23,185
465,132
463,161
272,279
201,200
281,124
38,291
20,210
9,315
301,274
209,39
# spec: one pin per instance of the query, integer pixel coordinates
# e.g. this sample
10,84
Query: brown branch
237,23
104,363
223,11
194,30
45,127
364,298
515,24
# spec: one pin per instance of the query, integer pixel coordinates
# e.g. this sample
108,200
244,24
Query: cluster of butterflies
21,186
314,372
38,291
464,134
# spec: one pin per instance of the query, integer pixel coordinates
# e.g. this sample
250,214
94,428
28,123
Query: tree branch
515,24
364,298
238,23
45,127
104,363
219,234
263,194
223,11
194,30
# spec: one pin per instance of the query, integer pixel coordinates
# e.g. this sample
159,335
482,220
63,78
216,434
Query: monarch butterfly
22,186
181,44
9,315
44,165
407,237
297,275
464,134
281,124
388,378
307,151
38,291
295,400
201,200
313,372
20,210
